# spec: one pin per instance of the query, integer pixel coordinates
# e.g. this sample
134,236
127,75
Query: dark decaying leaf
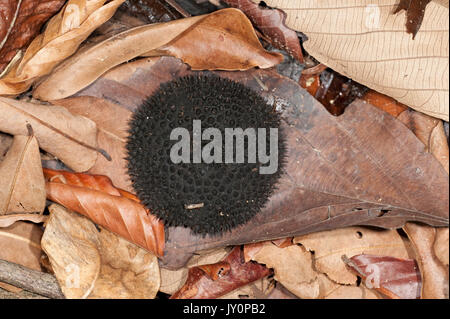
336,91
20,22
271,23
415,10
396,278
361,168
215,280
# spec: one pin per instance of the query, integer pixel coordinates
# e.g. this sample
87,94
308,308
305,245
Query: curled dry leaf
117,210
271,24
89,263
223,40
435,275
73,139
329,246
370,46
173,280
199,285
293,268
20,22
393,277
22,185
8,220
64,33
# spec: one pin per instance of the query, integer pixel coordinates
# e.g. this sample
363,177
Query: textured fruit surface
208,198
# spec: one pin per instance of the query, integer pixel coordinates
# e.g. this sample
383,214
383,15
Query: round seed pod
207,197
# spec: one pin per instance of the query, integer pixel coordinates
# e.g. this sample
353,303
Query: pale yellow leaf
366,42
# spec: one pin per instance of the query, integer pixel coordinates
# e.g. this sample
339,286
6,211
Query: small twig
31,280
5,294
193,206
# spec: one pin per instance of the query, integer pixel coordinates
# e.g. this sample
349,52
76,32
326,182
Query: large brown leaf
338,174
338,171
117,210
223,40
73,139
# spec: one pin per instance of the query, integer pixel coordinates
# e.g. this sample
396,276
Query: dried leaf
20,244
292,268
64,33
430,132
271,24
260,289
329,246
20,22
22,185
200,286
441,245
96,264
228,42
117,210
434,273
371,47
73,139
338,171
173,280
8,220
393,277
384,102
111,136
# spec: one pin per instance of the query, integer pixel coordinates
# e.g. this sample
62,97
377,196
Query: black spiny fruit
209,198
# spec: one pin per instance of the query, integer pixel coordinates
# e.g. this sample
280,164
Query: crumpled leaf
91,263
73,139
117,210
20,244
224,39
20,22
199,285
64,33
435,276
371,47
22,185
329,246
271,24
393,277
173,280
292,268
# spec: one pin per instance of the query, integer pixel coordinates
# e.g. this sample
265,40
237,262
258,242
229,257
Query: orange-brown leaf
116,210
